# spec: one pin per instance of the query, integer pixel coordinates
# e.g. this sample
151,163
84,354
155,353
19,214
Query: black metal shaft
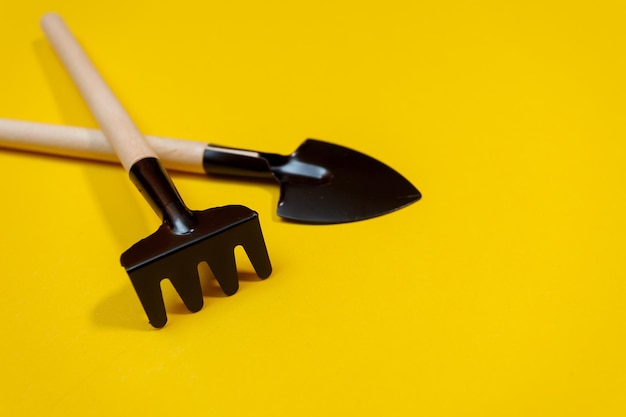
157,188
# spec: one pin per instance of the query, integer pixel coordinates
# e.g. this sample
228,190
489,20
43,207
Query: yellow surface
501,293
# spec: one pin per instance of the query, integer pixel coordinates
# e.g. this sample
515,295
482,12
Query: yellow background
500,293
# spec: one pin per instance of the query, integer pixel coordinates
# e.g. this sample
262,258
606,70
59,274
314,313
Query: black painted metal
185,239
321,182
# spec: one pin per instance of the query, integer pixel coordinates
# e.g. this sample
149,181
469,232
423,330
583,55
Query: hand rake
186,237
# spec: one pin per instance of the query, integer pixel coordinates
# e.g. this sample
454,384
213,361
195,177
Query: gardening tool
186,237
320,182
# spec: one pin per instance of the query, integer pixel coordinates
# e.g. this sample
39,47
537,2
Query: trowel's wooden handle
80,142
124,137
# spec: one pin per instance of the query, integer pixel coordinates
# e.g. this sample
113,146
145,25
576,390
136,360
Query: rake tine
149,292
256,250
222,264
187,285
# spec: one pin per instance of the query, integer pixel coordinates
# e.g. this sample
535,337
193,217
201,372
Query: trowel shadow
270,186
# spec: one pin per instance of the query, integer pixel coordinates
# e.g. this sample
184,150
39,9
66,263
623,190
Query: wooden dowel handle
80,142
124,137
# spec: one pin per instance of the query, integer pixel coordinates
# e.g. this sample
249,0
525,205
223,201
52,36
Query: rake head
165,254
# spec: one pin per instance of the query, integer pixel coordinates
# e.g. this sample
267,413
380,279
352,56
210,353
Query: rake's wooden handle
124,137
80,142
136,155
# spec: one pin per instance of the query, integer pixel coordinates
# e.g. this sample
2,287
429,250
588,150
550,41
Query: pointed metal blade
355,186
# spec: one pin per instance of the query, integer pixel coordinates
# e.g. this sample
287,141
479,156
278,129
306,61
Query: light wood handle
80,142
124,137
